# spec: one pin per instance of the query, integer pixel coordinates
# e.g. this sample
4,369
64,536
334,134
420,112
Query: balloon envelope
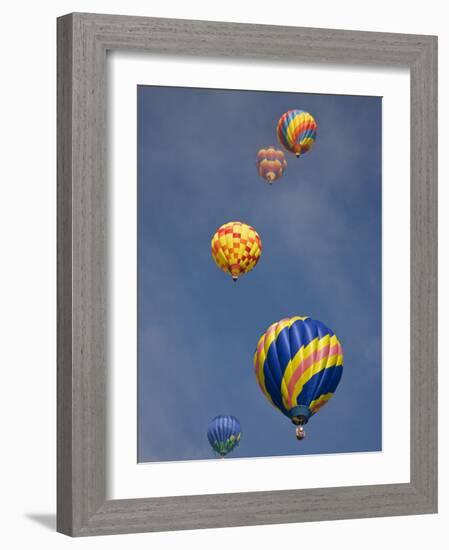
296,131
236,248
224,433
298,364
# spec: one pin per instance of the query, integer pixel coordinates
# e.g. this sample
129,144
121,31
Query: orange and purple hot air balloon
296,131
271,163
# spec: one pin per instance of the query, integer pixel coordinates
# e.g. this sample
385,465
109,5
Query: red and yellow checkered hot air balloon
271,163
236,248
296,131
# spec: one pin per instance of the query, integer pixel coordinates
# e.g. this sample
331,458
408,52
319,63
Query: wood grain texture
83,40
424,252
64,278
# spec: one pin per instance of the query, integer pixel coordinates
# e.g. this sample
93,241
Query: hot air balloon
224,433
271,163
298,364
296,131
236,248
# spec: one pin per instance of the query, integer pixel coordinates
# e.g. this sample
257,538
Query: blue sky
320,227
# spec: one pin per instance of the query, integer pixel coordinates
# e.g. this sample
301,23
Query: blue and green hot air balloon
298,364
224,433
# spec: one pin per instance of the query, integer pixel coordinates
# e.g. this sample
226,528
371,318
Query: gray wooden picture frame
83,40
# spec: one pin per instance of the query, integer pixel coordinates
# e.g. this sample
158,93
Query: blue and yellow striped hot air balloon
298,364
296,131
224,433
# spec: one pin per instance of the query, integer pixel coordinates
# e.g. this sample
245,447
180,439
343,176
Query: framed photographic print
246,274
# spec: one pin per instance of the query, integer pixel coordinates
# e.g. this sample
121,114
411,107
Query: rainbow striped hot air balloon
298,364
224,433
296,131
271,163
236,248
